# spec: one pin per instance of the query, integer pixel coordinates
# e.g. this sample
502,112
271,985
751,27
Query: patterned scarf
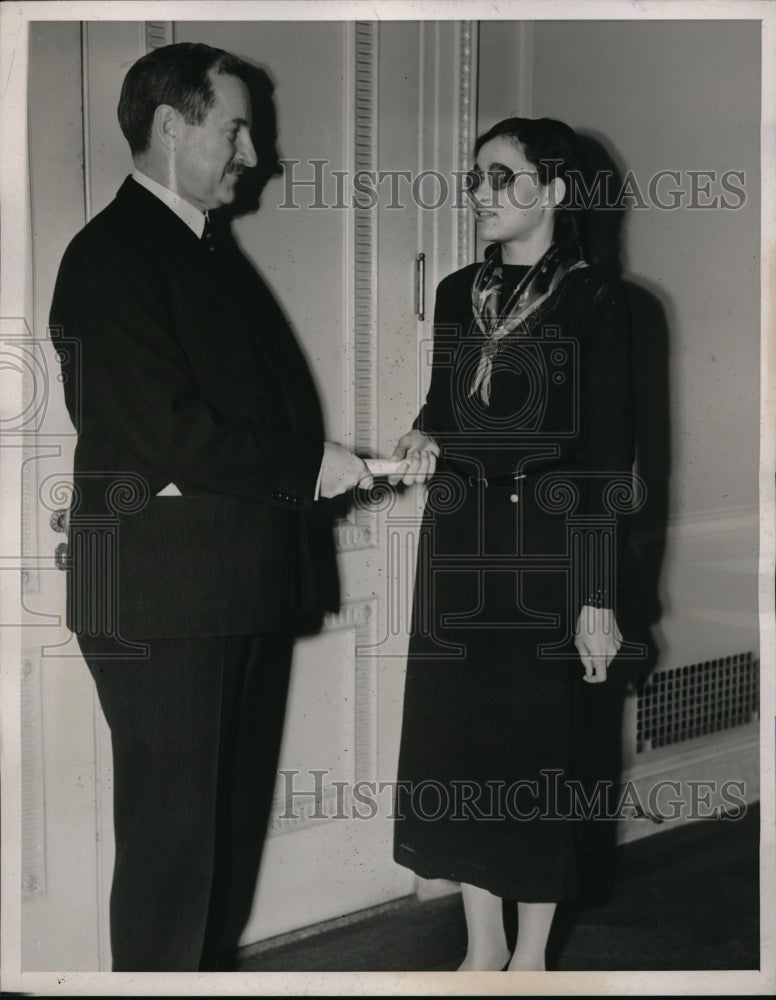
495,320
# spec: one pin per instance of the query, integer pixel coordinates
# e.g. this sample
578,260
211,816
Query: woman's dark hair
553,148
178,75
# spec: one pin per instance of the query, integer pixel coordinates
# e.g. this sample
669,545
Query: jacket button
514,497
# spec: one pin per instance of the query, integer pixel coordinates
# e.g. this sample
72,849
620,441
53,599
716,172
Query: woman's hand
597,639
417,453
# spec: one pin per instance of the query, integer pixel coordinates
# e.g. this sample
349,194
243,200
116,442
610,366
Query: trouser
195,729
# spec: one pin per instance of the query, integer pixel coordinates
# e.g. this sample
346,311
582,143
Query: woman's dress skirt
484,756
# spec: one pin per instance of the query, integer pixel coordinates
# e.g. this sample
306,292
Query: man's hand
417,453
597,639
341,470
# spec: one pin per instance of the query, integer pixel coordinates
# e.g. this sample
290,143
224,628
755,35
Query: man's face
210,157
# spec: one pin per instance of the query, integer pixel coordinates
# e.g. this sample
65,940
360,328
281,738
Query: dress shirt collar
185,211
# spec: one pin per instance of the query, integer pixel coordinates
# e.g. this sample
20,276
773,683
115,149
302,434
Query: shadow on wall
599,718
264,134
639,608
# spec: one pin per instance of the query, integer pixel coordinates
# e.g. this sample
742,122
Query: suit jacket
180,367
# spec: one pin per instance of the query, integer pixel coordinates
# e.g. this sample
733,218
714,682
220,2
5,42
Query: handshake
413,461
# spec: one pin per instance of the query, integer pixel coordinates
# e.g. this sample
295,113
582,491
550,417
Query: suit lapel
230,280
224,281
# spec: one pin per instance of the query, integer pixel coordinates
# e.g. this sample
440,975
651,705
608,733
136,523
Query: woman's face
510,204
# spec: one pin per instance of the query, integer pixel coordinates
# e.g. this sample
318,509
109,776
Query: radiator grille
684,703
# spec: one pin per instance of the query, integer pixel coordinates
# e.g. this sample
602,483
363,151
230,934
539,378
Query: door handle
420,286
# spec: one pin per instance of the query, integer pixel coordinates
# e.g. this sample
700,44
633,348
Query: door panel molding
466,115
358,530
358,616
33,819
159,33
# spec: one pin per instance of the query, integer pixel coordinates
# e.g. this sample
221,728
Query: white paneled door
372,123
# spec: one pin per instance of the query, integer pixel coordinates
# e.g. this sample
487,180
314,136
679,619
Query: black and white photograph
387,464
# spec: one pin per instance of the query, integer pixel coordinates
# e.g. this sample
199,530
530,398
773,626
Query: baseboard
303,933
718,774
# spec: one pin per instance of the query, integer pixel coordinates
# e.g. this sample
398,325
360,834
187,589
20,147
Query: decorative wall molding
358,530
525,69
25,356
33,788
360,616
355,531
353,614
713,523
158,33
467,123
36,380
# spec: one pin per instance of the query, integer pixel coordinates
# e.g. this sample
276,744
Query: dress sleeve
436,416
607,449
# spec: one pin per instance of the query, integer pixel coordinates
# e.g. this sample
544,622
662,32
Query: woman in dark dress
526,431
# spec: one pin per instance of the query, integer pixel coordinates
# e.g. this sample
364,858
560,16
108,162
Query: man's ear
166,126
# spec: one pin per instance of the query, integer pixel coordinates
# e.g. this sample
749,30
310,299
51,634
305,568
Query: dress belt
494,480
514,477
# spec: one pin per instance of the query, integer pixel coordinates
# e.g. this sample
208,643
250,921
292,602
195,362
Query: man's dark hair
178,75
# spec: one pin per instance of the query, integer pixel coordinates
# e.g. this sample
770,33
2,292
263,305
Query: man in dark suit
200,455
